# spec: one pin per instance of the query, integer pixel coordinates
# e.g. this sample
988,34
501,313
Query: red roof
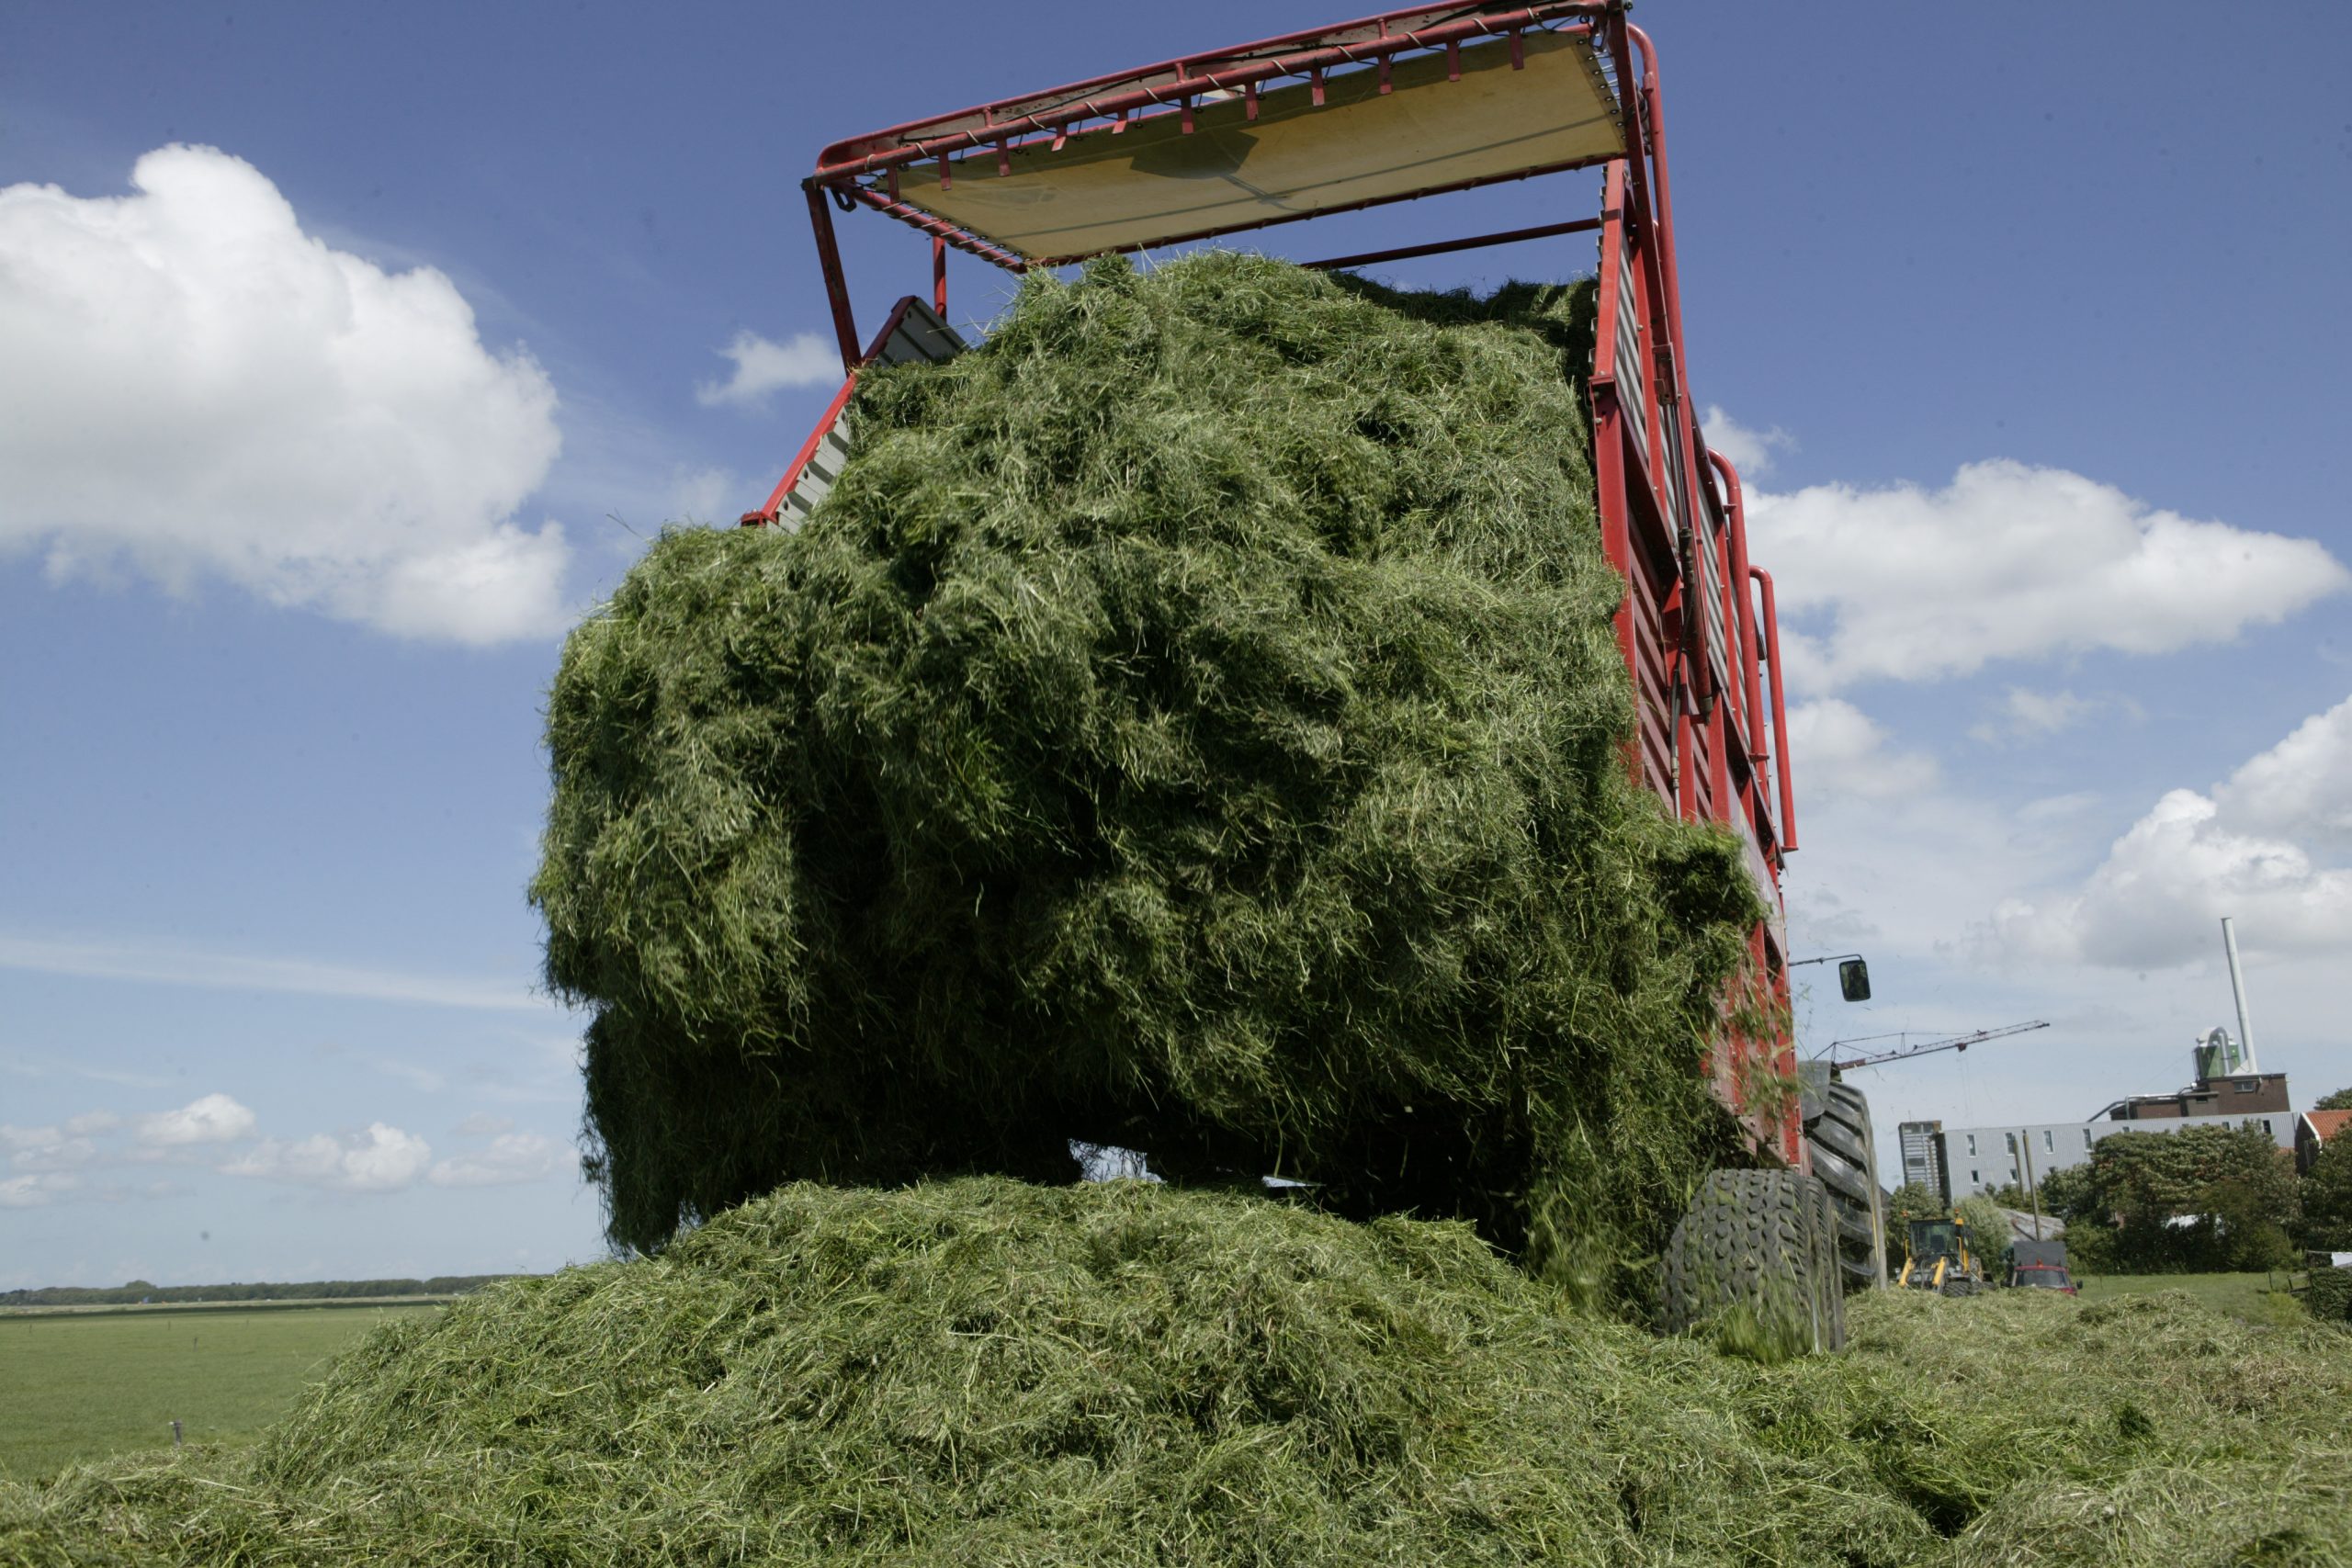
2327,1124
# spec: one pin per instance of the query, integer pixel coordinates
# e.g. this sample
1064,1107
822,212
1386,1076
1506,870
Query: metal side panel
915,332
1633,381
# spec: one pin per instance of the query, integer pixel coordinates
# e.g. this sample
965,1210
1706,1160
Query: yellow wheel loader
1937,1258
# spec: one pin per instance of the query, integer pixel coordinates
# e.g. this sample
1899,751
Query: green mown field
2247,1297
84,1385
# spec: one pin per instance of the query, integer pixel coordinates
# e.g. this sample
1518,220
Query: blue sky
2030,339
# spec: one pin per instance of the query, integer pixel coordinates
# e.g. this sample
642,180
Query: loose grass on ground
983,1373
78,1385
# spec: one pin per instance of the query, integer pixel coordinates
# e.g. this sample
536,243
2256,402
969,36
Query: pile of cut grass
1191,723
987,1372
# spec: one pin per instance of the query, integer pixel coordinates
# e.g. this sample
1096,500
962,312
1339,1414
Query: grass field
2244,1296
83,1385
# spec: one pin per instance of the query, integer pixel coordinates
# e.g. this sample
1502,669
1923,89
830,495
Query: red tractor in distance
1414,104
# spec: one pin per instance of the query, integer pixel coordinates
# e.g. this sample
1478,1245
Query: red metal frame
1698,628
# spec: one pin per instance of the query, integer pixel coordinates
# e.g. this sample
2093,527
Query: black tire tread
1766,1240
1844,1156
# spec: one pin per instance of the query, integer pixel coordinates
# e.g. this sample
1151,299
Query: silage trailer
1413,103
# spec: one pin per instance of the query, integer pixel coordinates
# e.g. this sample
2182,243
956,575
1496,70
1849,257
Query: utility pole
2032,1196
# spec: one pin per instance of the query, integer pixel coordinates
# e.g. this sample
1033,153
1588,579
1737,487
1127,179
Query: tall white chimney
2237,988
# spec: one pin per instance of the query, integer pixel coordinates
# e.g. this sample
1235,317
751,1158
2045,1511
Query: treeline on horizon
139,1290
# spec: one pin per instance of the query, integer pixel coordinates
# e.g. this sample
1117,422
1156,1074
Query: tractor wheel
1759,1248
1845,1157
1957,1288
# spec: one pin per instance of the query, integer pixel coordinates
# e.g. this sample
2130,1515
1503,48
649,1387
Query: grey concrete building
1921,1161
1977,1159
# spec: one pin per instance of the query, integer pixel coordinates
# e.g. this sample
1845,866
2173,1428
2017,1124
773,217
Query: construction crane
1957,1042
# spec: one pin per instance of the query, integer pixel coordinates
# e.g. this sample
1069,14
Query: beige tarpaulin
1152,182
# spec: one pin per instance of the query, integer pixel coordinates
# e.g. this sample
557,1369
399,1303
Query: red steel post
829,256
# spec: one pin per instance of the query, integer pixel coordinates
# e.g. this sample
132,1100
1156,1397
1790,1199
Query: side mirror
1854,980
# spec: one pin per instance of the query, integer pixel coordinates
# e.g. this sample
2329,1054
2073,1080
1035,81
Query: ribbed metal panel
1633,384
917,333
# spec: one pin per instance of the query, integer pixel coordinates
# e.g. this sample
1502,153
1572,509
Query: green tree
2340,1100
2327,1193
2204,1197
1912,1201
1988,1230
2067,1192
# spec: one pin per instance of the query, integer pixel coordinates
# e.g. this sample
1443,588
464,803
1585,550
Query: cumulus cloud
214,1119
2246,849
45,1150
482,1125
1750,451
2012,562
201,391
1845,752
381,1160
761,367
2024,715
2302,786
704,493
32,1191
509,1157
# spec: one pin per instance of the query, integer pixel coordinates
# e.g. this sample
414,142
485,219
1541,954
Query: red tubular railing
1079,104
1779,712
1743,598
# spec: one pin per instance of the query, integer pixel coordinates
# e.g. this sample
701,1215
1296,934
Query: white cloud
510,1157
1843,751
91,1122
2027,714
2012,562
201,389
761,367
32,1191
170,965
2024,715
381,1160
1750,451
482,1125
2247,850
213,1119
47,1149
2302,786
57,1153
708,494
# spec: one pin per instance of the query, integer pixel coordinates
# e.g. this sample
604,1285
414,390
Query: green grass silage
984,1372
1192,722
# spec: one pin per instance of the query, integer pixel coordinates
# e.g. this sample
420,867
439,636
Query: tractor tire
1845,1157
1957,1288
1759,1248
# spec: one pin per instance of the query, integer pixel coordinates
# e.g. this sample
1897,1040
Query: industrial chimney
2237,989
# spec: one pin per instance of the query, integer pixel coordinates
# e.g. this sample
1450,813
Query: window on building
1971,1146
2086,1138
2268,1128
2247,1085
2049,1141
1975,1179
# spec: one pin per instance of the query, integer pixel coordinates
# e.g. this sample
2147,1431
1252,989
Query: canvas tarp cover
1153,183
